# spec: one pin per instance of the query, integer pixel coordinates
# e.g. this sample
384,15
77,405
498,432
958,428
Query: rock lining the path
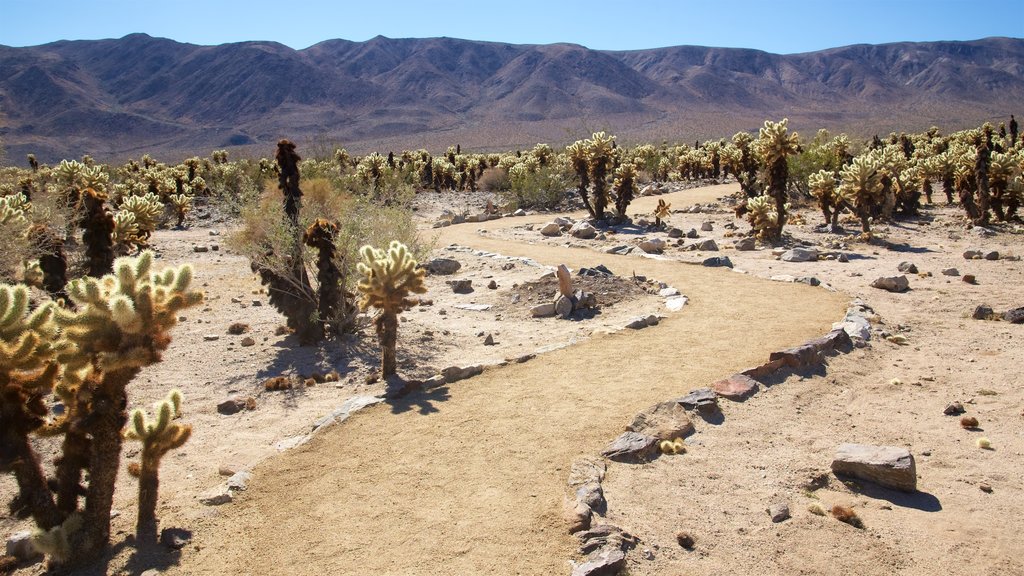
888,466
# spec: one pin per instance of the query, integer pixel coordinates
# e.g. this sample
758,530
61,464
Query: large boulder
888,466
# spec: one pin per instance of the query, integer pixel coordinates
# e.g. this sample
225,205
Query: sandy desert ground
470,477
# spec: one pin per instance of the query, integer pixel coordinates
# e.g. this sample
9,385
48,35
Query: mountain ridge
114,98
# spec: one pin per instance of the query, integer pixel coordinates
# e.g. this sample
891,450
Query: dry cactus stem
52,261
389,279
332,306
99,234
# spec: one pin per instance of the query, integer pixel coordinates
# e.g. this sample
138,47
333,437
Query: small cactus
158,437
389,279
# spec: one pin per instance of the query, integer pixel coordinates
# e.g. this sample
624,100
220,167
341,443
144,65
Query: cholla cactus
661,212
861,187
762,216
120,325
147,210
774,145
182,205
371,169
99,233
28,373
332,308
126,230
158,437
389,279
600,160
625,187
822,185
577,153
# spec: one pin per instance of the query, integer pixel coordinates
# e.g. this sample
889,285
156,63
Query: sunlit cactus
762,216
625,188
182,205
158,437
773,146
861,187
371,169
822,185
147,210
389,279
600,160
119,326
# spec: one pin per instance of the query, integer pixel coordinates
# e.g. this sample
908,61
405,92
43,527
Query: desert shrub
533,186
268,238
494,180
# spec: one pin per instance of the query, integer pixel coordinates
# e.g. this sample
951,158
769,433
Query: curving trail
470,479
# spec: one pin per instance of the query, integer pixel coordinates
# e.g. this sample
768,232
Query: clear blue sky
780,26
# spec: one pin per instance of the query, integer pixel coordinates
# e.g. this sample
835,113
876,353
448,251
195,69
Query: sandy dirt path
469,479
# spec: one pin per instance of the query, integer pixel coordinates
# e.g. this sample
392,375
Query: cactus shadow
423,401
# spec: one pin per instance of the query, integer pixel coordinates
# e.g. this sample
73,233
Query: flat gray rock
800,255
888,466
717,261
551,229
664,421
892,283
602,563
745,244
543,310
702,399
443,266
631,447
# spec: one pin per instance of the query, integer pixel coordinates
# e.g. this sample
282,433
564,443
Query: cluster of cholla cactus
86,355
158,437
389,279
593,159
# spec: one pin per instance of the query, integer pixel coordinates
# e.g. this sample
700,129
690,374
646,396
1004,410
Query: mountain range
119,98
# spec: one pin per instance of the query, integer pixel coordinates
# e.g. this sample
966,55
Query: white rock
551,229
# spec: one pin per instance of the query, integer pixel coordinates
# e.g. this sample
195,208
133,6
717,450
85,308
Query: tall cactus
158,437
389,279
332,307
822,185
99,233
577,152
625,187
601,160
774,145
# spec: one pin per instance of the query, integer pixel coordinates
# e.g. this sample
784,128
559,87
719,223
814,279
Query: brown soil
470,478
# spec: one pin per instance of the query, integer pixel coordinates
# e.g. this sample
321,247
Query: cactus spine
389,279
158,437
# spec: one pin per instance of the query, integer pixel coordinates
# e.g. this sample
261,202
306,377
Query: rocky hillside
118,98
